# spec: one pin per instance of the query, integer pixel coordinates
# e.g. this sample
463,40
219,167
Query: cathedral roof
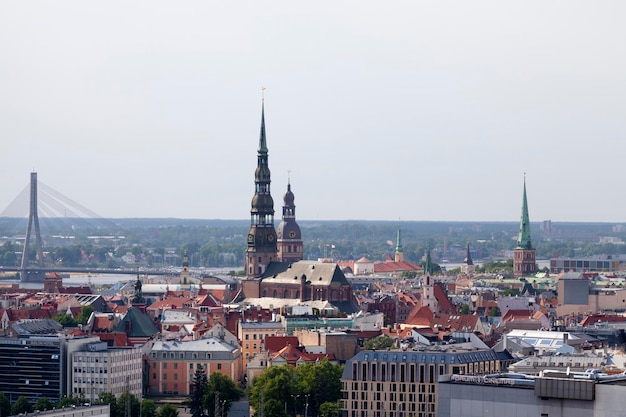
315,273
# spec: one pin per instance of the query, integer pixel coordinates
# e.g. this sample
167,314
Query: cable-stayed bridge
57,212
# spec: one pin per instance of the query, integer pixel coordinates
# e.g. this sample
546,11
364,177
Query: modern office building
38,366
565,394
97,368
400,383
597,263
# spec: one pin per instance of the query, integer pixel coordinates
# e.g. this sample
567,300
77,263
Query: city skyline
413,111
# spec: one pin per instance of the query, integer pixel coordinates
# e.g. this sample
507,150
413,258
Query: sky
404,110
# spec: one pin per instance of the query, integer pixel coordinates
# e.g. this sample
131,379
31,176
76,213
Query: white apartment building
98,368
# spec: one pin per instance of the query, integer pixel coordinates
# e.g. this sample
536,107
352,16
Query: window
219,366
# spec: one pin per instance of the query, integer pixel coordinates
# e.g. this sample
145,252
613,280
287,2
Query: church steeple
399,255
290,245
523,240
262,235
468,257
524,254
428,266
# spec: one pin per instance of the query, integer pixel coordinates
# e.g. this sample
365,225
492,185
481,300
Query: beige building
576,294
252,335
400,383
341,344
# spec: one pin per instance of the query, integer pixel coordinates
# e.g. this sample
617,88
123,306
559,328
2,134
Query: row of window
181,355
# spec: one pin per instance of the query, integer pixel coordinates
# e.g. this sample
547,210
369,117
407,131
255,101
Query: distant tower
261,248
289,242
185,275
399,255
468,265
429,300
524,255
32,218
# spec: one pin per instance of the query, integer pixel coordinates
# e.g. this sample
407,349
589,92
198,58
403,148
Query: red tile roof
276,343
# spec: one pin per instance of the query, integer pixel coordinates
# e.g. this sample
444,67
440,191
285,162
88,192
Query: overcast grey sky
416,110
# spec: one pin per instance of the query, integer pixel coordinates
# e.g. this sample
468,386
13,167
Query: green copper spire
523,240
399,242
428,266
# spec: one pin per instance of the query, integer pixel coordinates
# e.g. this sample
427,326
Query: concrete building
99,410
341,344
97,368
38,366
573,395
576,294
598,263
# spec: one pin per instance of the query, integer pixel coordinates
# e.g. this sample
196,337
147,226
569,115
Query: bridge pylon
33,219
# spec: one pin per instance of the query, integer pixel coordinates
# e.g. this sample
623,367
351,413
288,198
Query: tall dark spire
523,240
468,257
262,235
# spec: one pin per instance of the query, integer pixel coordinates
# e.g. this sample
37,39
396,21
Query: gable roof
136,324
315,273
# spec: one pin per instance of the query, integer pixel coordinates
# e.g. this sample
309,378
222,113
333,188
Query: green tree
464,309
43,404
274,386
21,406
167,410
109,398
85,313
378,343
148,408
330,409
133,403
510,292
65,320
69,401
195,400
5,405
320,382
228,392
494,311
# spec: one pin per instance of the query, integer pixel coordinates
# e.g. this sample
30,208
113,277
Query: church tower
524,255
428,295
261,248
399,255
185,274
467,267
289,243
